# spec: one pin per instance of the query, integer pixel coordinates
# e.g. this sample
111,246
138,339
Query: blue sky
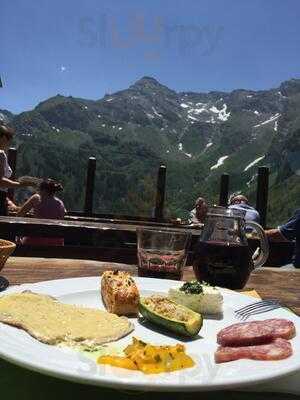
92,47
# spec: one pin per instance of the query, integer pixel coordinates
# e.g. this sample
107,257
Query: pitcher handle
264,245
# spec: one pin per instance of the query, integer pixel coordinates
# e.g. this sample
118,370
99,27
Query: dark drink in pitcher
223,264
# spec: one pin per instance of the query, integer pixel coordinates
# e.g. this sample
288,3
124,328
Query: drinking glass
162,253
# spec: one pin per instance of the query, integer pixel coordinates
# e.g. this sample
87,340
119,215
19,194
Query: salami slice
276,350
256,332
282,328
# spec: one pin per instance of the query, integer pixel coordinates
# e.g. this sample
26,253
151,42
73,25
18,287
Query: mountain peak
290,87
5,116
147,80
147,84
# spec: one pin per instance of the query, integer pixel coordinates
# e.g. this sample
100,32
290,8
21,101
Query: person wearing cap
241,203
6,135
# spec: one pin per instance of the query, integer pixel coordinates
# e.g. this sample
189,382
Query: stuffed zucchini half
170,315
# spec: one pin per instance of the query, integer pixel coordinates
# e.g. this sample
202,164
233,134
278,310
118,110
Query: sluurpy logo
151,36
204,372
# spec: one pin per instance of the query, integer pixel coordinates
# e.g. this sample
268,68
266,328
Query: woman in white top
6,135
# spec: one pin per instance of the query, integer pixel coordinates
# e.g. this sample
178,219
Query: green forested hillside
198,136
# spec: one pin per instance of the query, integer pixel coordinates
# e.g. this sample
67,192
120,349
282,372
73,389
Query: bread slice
119,293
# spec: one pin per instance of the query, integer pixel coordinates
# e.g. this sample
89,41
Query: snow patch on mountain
195,109
208,145
281,95
273,118
156,113
211,120
198,110
192,118
180,148
252,179
223,115
254,162
219,163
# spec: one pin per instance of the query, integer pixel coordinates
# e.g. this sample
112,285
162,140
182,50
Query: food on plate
282,328
175,317
256,332
278,349
52,322
199,297
256,340
119,293
150,359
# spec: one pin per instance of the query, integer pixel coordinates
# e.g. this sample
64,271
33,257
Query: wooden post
262,194
224,190
160,193
12,161
89,188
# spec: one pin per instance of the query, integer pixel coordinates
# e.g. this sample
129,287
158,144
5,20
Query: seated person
241,203
198,214
44,205
11,206
288,232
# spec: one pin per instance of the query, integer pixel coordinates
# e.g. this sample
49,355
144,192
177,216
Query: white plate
20,348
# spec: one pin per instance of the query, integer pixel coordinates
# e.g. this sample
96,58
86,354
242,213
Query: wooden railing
106,240
261,193
100,240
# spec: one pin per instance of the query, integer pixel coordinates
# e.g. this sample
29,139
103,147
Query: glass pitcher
222,256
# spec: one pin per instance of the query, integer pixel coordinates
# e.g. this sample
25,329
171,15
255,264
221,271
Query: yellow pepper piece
116,361
150,359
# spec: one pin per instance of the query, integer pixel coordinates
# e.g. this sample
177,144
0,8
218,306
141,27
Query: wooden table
18,383
268,282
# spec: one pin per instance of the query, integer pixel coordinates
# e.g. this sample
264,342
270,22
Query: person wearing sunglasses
6,135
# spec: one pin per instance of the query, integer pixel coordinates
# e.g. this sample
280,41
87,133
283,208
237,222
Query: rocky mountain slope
198,136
